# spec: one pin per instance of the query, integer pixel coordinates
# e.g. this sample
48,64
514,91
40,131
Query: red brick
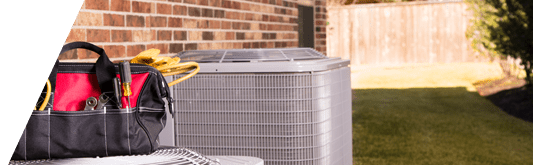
134,50
207,36
230,35
249,16
237,45
255,45
246,45
97,4
214,24
189,1
273,19
175,48
121,36
215,3
87,54
207,12
164,8
135,21
141,7
226,25
203,24
225,3
194,11
179,10
236,25
180,35
113,20
245,26
164,35
230,15
148,20
236,5
163,48
179,1
191,46
270,45
175,22
202,2
95,35
190,23
69,55
262,27
220,14
120,5
158,21
115,51
245,6
89,19
76,35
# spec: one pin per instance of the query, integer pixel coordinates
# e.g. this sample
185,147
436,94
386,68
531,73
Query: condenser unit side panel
287,118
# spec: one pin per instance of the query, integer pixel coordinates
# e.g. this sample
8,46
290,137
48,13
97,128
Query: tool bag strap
105,69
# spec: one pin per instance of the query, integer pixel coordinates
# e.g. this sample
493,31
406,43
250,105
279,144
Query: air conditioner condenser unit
285,106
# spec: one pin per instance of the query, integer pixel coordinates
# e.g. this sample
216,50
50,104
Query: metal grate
176,156
250,55
296,118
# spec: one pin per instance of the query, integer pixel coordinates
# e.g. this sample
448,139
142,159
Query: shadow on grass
517,102
435,126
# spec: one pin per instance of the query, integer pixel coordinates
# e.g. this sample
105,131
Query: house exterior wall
124,28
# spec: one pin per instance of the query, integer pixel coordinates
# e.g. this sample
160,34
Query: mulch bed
511,95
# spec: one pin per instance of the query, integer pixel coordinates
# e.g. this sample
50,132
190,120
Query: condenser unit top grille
261,60
250,55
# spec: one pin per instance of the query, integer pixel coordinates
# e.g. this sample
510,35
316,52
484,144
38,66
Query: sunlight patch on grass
424,75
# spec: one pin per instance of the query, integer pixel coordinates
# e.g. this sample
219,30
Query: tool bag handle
105,69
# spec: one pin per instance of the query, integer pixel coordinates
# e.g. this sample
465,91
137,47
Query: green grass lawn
436,126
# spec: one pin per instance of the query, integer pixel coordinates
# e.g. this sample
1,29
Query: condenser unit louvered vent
287,106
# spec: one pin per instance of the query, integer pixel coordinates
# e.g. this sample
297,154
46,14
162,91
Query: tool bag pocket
67,134
65,130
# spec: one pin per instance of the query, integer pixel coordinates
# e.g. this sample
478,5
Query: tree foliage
502,28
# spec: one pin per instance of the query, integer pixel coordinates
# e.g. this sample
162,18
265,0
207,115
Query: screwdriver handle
118,93
125,72
125,77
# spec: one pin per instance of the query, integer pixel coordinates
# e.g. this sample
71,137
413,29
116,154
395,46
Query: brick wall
320,25
126,27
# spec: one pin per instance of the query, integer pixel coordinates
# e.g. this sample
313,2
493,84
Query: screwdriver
116,87
125,76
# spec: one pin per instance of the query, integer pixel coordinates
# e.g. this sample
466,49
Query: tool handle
116,87
125,72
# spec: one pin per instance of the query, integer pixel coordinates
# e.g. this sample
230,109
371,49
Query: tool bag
65,130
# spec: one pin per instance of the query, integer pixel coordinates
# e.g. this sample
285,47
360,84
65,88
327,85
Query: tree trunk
527,67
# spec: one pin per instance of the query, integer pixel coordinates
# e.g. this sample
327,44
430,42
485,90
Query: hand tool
125,76
118,95
102,100
90,103
47,97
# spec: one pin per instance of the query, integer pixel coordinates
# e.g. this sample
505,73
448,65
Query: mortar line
182,4
205,7
189,17
187,42
178,29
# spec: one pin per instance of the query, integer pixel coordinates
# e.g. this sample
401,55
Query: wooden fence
400,33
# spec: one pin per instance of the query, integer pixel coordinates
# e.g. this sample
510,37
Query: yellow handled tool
47,97
166,65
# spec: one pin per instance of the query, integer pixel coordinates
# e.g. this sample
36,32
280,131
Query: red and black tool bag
65,130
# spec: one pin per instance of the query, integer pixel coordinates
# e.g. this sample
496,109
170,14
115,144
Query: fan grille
250,55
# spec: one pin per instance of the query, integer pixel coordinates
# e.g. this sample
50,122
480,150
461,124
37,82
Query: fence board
400,33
